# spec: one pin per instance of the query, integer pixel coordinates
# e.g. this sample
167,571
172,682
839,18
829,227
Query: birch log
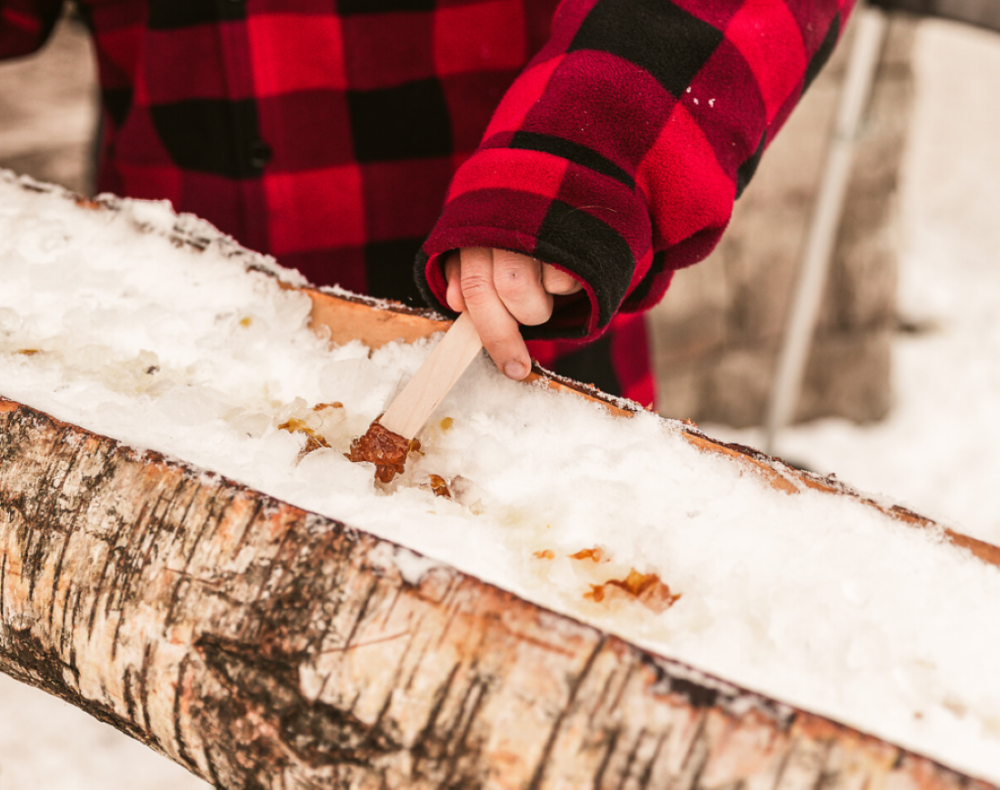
265,647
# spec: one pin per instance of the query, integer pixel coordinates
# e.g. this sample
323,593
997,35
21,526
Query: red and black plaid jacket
330,133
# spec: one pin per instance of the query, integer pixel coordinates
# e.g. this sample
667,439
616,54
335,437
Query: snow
937,451
47,744
815,600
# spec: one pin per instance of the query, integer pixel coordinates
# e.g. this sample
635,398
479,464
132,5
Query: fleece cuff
550,208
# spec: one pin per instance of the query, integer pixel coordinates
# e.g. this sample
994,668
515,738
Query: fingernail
515,370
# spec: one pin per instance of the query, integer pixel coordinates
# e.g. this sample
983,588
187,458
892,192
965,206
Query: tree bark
263,646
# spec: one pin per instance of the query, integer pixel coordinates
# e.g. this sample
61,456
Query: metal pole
822,236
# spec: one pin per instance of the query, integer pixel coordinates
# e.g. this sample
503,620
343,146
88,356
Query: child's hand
501,290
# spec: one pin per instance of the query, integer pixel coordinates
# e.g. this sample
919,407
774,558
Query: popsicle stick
434,379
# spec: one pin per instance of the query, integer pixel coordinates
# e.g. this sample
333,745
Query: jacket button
259,154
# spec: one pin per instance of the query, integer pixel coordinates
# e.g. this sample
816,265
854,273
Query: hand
501,290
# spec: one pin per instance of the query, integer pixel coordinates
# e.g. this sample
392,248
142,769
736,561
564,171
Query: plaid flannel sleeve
26,24
619,151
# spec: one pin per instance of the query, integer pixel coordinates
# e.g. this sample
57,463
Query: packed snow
812,599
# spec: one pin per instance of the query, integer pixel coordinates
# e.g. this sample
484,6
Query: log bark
268,648
263,646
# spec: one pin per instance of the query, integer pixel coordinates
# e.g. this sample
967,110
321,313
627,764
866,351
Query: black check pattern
610,138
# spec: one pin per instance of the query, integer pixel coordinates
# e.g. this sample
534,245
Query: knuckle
514,284
475,287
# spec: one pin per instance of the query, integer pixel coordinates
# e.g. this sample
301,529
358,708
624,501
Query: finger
453,276
497,328
559,282
518,280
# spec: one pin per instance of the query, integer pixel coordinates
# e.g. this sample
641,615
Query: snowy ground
934,454
939,452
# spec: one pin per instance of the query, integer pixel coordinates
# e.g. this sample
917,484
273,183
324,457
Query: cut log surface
263,646
370,322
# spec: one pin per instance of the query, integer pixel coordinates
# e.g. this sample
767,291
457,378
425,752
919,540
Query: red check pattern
609,138
26,24
619,151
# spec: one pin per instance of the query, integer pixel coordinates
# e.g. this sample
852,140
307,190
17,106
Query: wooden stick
434,379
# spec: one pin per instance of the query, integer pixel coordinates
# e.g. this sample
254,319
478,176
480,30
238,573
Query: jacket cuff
25,25
586,223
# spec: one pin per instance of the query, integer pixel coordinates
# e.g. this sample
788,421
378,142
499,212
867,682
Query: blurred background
901,394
